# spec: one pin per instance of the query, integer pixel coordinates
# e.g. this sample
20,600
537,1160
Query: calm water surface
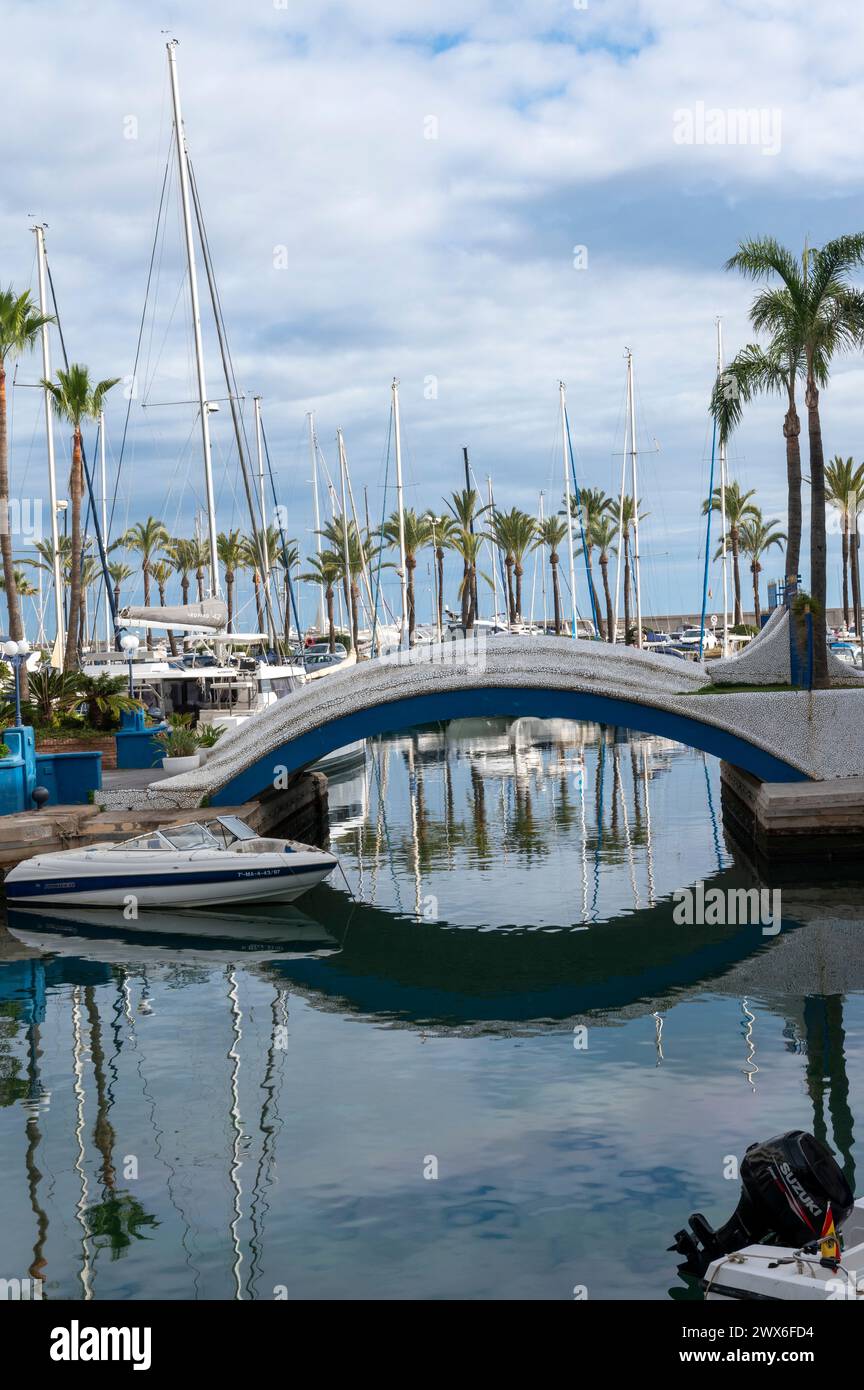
502,998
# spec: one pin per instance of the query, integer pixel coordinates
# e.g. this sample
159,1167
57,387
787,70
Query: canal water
487,1063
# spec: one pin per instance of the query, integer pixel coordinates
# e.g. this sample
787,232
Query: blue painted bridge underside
394,716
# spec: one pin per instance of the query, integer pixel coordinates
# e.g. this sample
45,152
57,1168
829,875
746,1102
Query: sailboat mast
103,478
723,505
494,557
316,513
49,438
631,411
400,505
346,556
182,157
567,507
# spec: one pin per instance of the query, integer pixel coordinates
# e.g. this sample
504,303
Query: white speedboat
215,862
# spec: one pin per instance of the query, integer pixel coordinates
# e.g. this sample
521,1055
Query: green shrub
209,735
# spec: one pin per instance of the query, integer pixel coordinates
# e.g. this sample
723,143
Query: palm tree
22,583
119,574
262,550
148,538
231,552
814,306
845,492
738,508
604,533
513,532
417,532
468,545
591,506
758,371
465,509
551,532
199,555
287,557
20,325
326,571
162,571
76,399
627,519
182,557
757,537
442,528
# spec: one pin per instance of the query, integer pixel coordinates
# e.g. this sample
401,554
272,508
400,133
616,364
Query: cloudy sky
479,198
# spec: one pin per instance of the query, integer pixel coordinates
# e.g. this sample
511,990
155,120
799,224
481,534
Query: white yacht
215,862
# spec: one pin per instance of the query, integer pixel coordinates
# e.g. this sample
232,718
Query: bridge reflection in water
184,1112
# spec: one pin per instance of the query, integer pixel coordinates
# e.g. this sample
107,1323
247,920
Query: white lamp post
16,654
130,643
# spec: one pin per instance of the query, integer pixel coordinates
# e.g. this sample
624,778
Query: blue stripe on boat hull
128,883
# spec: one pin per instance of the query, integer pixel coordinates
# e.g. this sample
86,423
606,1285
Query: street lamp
16,653
130,643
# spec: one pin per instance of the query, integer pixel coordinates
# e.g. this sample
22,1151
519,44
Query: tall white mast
49,436
494,557
723,505
621,525
631,402
543,572
182,158
103,478
561,393
400,505
262,495
346,556
313,449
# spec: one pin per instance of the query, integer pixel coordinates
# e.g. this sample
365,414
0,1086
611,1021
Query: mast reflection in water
501,1070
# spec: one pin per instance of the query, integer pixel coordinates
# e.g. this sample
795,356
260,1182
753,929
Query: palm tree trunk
256,580
556,592
595,601
13,604
410,566
146,571
818,555
184,586
856,587
199,576
518,571
355,616
511,601
756,567
75,492
331,618
846,569
117,596
610,617
472,596
792,435
439,560
171,639
229,597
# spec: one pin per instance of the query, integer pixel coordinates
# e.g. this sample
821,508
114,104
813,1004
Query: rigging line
383,520
285,559
106,577
138,344
582,528
707,541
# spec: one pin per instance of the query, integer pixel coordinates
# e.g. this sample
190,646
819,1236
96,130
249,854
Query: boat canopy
209,613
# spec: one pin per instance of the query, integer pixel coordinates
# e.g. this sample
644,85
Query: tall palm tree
199,554
417,532
756,371
287,557
148,538
442,529
551,532
738,509
592,505
604,533
816,306
844,491
627,517
466,510
119,574
75,399
326,572
162,571
468,545
182,557
513,532
231,552
757,537
20,326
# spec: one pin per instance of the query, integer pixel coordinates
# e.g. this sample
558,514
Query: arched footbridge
778,736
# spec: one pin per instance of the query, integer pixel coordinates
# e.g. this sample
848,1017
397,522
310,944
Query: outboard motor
792,1190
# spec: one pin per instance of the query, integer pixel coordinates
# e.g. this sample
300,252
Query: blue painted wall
492,702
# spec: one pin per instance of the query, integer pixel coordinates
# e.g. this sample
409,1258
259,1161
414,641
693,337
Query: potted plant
208,736
180,749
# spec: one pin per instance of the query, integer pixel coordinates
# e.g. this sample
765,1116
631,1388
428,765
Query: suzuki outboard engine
792,1189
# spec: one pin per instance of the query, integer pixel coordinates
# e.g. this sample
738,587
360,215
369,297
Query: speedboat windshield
193,836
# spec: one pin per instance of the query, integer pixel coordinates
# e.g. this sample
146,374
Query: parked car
691,637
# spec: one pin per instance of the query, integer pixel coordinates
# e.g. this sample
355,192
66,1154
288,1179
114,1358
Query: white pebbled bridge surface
817,734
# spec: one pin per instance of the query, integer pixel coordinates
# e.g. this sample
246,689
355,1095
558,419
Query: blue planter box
69,778
136,744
